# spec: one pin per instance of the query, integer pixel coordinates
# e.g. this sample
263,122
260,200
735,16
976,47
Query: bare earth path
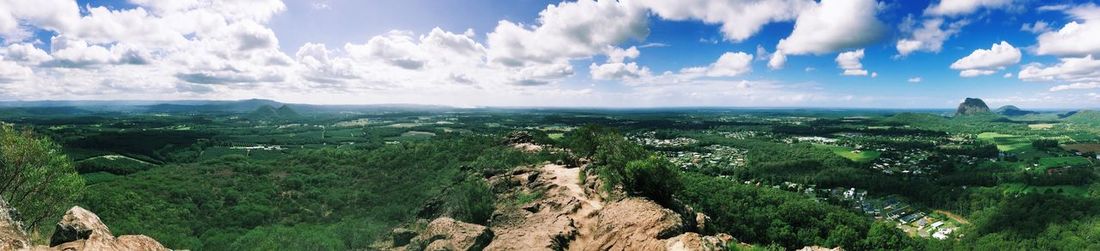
583,218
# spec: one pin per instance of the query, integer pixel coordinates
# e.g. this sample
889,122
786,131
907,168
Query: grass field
849,153
1040,126
556,136
1019,188
1083,147
1062,161
1006,142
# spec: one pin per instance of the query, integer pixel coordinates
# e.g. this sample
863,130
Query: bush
35,176
472,201
654,178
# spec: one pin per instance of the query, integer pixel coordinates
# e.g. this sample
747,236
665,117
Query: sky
536,53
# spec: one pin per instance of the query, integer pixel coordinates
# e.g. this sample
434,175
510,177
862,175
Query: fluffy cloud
1083,69
985,62
11,72
929,36
777,61
1075,38
730,64
566,31
55,15
23,52
961,7
1076,86
915,80
617,71
740,19
850,62
616,68
833,25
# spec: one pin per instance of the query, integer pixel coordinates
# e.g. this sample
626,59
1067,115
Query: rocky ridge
567,214
79,229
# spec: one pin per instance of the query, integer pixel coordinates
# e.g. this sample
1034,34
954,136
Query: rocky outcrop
12,236
566,214
449,234
78,229
972,106
634,224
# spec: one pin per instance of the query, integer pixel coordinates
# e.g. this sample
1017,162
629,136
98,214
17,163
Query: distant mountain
285,112
972,106
1011,110
1084,117
268,112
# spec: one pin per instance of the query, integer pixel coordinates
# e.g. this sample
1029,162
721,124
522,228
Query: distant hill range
1083,117
972,106
1011,110
248,107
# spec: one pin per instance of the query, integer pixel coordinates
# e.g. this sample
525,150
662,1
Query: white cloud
1075,38
23,52
962,7
566,31
618,55
833,25
740,19
849,61
1007,75
928,37
12,72
975,73
777,60
1076,86
1037,27
731,64
617,71
54,15
985,62
1083,69
915,80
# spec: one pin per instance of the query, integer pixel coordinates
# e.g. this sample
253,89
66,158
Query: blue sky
688,53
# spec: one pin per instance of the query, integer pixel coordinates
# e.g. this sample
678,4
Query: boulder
80,229
634,224
402,236
78,224
449,234
694,241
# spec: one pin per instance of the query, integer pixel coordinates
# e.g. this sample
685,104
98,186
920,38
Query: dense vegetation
339,198
343,180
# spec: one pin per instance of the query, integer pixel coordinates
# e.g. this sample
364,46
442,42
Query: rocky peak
972,106
1011,110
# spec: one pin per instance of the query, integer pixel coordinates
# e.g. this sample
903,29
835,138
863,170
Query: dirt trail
954,216
583,218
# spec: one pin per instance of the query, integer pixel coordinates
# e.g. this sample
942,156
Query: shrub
472,201
654,178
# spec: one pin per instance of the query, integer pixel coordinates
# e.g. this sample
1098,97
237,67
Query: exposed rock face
972,106
449,234
12,236
1011,110
79,229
